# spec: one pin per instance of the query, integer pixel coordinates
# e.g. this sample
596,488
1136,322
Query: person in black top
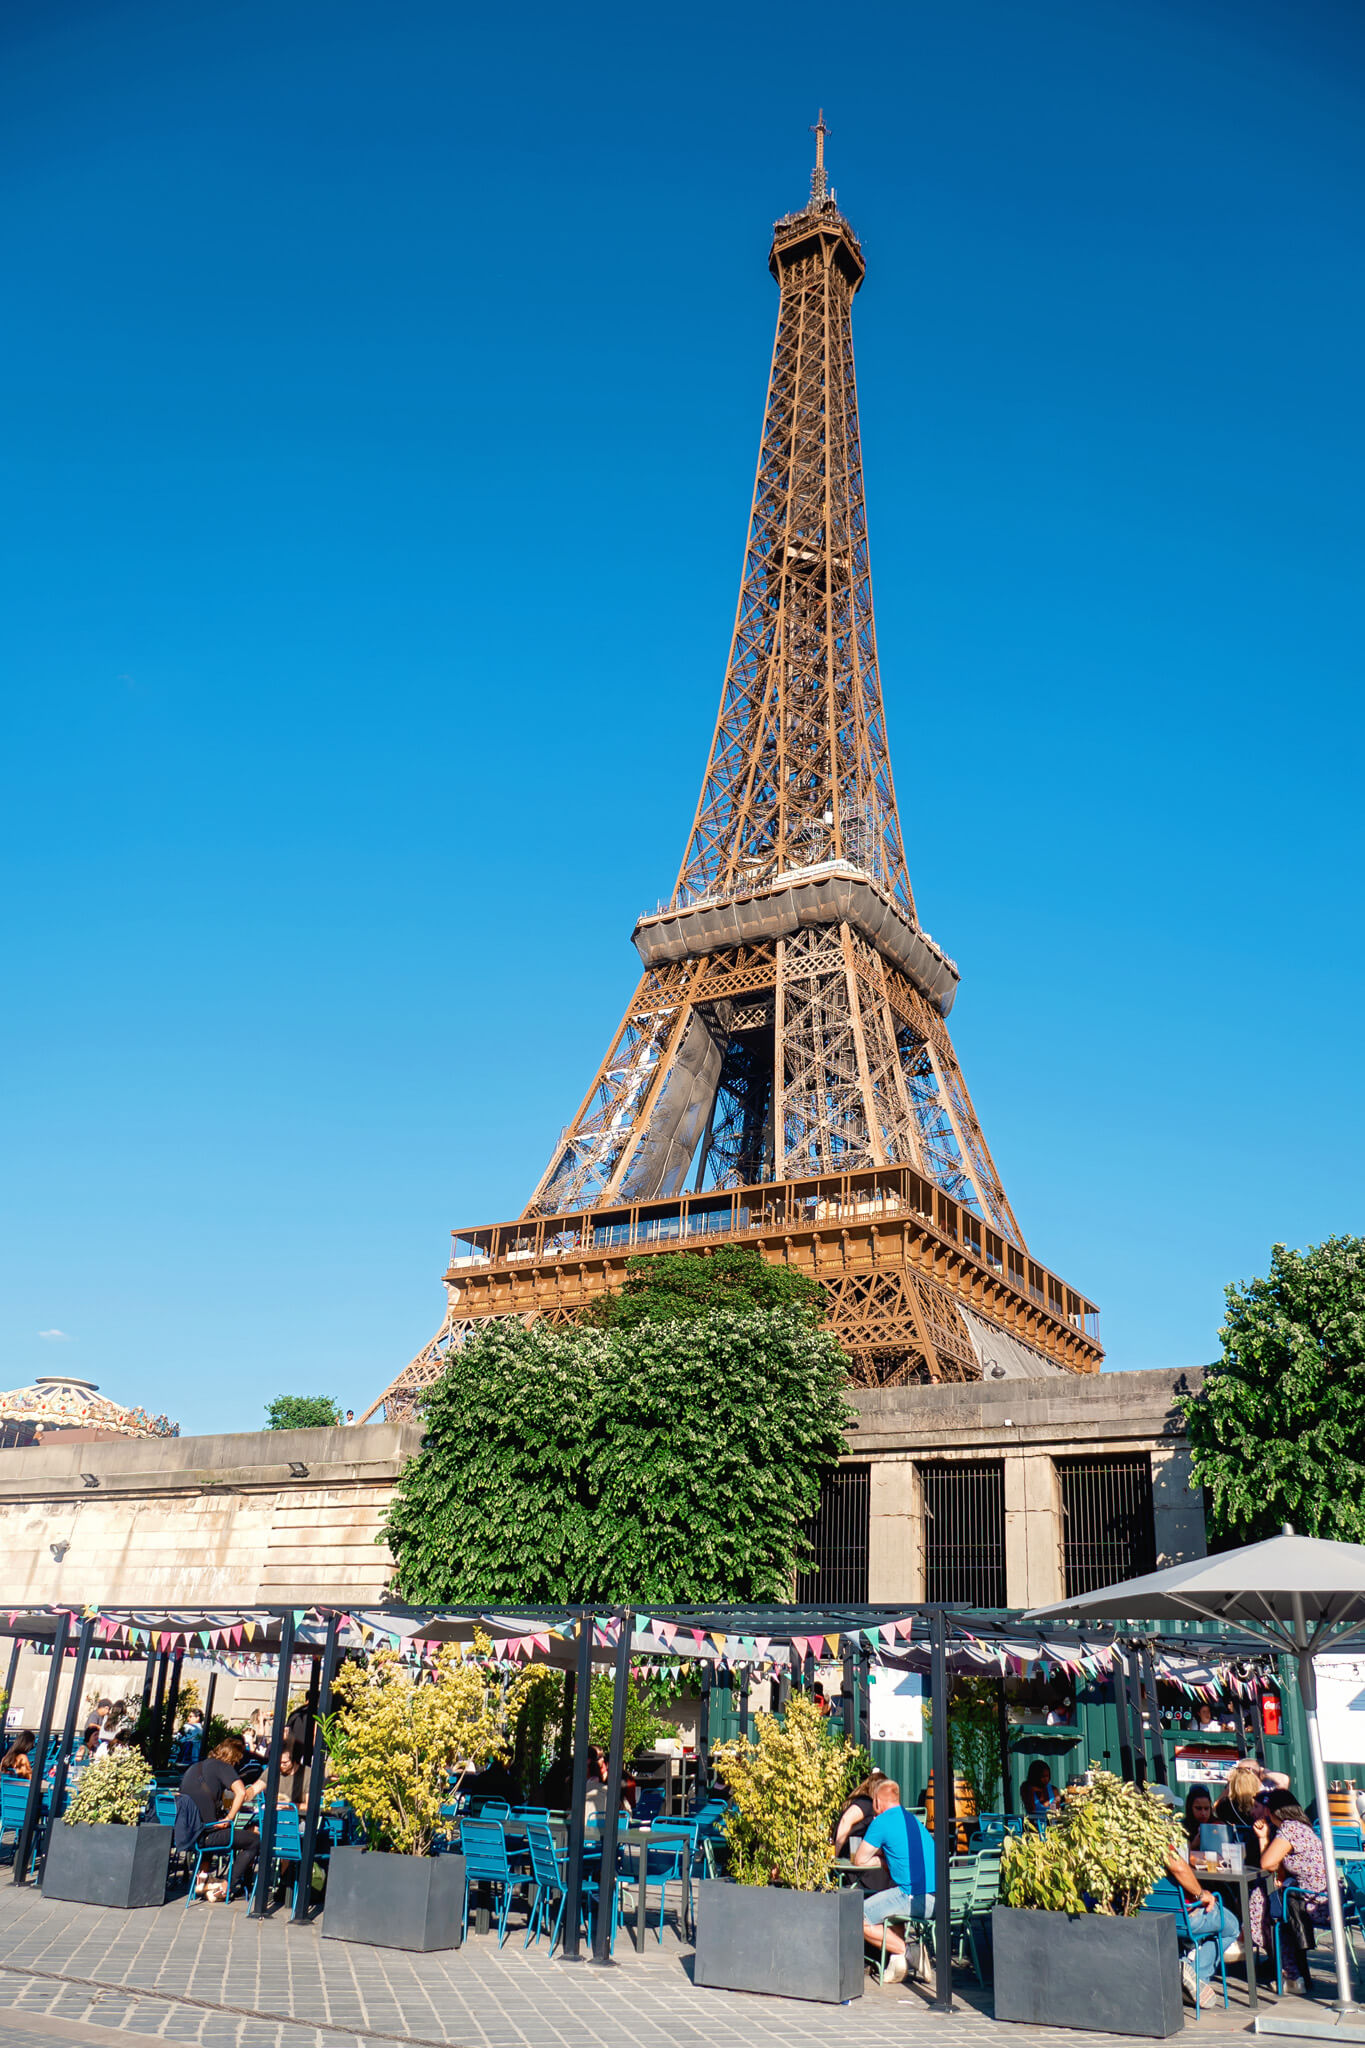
217,1790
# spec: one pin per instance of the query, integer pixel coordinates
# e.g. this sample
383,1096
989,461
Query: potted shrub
1071,1947
778,1921
391,1744
98,1854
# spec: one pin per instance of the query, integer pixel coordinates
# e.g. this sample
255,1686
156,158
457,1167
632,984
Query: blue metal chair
202,1852
289,1847
669,1863
489,1809
484,1848
547,1878
1167,1897
13,1806
1277,1921
649,1805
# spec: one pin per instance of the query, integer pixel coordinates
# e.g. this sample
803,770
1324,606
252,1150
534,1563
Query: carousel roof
58,1400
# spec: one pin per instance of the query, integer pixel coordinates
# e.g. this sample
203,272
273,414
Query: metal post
1258,1725
1135,1717
578,1791
208,1716
808,1672
704,1735
944,1826
1158,1740
13,1671
321,1697
33,1806
147,1678
64,1747
166,1732
865,1698
261,1896
606,1883
154,1729
1308,1693
848,1699
1119,1680
1006,1783
744,1704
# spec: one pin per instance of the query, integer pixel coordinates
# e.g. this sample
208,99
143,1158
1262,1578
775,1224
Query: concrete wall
1025,1424
271,1515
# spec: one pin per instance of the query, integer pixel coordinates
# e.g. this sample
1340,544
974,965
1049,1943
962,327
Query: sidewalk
209,1976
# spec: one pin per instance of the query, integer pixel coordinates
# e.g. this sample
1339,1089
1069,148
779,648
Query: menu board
896,1706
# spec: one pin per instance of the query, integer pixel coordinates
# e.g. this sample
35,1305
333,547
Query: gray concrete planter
95,1863
1091,1970
414,1902
794,1944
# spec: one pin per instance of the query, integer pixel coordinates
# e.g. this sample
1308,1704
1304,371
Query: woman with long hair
16,1759
1038,1794
1237,1809
1288,1843
1198,1812
856,1817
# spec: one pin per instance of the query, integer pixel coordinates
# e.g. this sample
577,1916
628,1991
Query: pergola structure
938,1641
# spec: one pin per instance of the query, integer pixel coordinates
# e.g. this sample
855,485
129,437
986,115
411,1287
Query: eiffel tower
783,1076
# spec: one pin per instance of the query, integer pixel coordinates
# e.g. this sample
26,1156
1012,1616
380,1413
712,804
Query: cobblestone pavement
210,1977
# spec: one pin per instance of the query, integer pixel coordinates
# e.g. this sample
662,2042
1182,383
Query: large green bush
675,1461
113,1789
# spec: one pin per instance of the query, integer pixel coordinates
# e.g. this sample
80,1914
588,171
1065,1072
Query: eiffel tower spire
784,1070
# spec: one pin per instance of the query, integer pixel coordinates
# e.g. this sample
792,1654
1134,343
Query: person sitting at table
216,1787
1289,1844
856,1818
1198,1813
1236,1809
1214,1928
1038,1792
16,1759
899,1843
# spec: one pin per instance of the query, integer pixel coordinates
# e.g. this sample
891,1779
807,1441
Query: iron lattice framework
788,1027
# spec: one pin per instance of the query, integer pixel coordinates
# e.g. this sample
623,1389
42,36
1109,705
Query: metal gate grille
964,1534
1107,1528
837,1534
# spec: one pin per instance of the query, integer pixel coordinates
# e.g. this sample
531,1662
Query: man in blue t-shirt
901,1843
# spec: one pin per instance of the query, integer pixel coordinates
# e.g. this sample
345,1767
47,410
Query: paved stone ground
210,1977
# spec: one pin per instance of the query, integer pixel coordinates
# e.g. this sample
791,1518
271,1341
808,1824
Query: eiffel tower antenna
783,1076
818,193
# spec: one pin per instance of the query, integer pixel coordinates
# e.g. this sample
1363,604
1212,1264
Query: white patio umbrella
1299,1594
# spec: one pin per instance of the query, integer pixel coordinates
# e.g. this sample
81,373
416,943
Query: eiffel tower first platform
783,1076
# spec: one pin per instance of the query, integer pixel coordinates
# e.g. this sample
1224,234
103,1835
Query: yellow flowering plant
1105,1847
787,1787
394,1738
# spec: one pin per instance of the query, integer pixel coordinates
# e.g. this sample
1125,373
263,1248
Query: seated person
898,1844
1038,1793
1235,1810
856,1817
17,1759
1198,1813
216,1787
1214,1928
1288,1843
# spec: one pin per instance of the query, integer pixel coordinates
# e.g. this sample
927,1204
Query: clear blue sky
382,388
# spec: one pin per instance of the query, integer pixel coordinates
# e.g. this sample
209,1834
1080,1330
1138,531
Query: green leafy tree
665,1287
1285,1403
302,1411
674,1461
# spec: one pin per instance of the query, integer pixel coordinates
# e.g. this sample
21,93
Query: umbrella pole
1308,1693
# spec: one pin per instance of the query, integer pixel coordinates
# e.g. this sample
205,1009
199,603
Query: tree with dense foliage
302,1411
663,1287
673,1461
1277,1431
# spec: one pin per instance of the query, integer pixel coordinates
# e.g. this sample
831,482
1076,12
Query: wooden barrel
1342,1805
964,1808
